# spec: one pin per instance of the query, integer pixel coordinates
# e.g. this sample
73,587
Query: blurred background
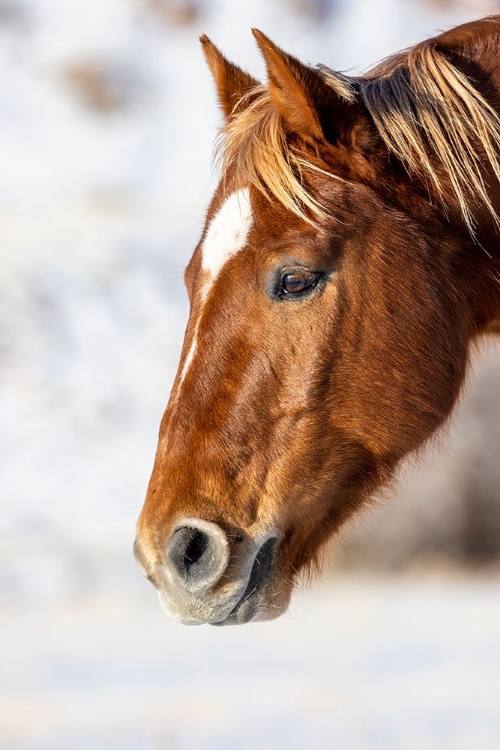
107,119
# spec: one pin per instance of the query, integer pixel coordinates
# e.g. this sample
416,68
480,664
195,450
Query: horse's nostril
186,550
199,553
196,544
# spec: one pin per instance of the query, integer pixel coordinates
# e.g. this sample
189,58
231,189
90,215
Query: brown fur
296,411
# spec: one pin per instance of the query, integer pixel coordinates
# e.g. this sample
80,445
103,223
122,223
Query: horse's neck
485,73
487,79
486,298
494,327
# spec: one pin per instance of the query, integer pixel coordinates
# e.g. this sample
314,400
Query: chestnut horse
351,254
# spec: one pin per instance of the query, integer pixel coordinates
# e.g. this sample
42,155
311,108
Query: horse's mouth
251,606
258,592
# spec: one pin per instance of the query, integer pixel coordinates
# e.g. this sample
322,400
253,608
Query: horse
349,261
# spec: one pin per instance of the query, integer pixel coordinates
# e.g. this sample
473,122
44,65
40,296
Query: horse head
327,337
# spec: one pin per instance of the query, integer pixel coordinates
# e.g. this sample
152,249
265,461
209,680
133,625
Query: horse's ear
231,82
309,105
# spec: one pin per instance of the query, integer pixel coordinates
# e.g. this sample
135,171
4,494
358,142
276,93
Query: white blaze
227,233
226,236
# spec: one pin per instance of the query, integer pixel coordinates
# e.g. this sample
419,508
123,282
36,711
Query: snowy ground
381,664
99,211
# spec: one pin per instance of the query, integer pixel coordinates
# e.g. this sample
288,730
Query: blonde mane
255,145
432,118
426,111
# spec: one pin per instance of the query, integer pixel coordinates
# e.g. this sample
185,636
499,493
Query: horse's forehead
227,232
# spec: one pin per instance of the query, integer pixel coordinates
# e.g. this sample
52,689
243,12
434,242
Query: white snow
373,663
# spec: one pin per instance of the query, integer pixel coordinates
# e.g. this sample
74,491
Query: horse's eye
296,282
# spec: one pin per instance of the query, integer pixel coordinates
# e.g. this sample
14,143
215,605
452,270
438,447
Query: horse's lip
262,570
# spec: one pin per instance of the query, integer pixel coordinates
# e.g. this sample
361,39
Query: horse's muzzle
208,576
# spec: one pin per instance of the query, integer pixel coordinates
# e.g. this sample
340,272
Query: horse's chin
258,606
